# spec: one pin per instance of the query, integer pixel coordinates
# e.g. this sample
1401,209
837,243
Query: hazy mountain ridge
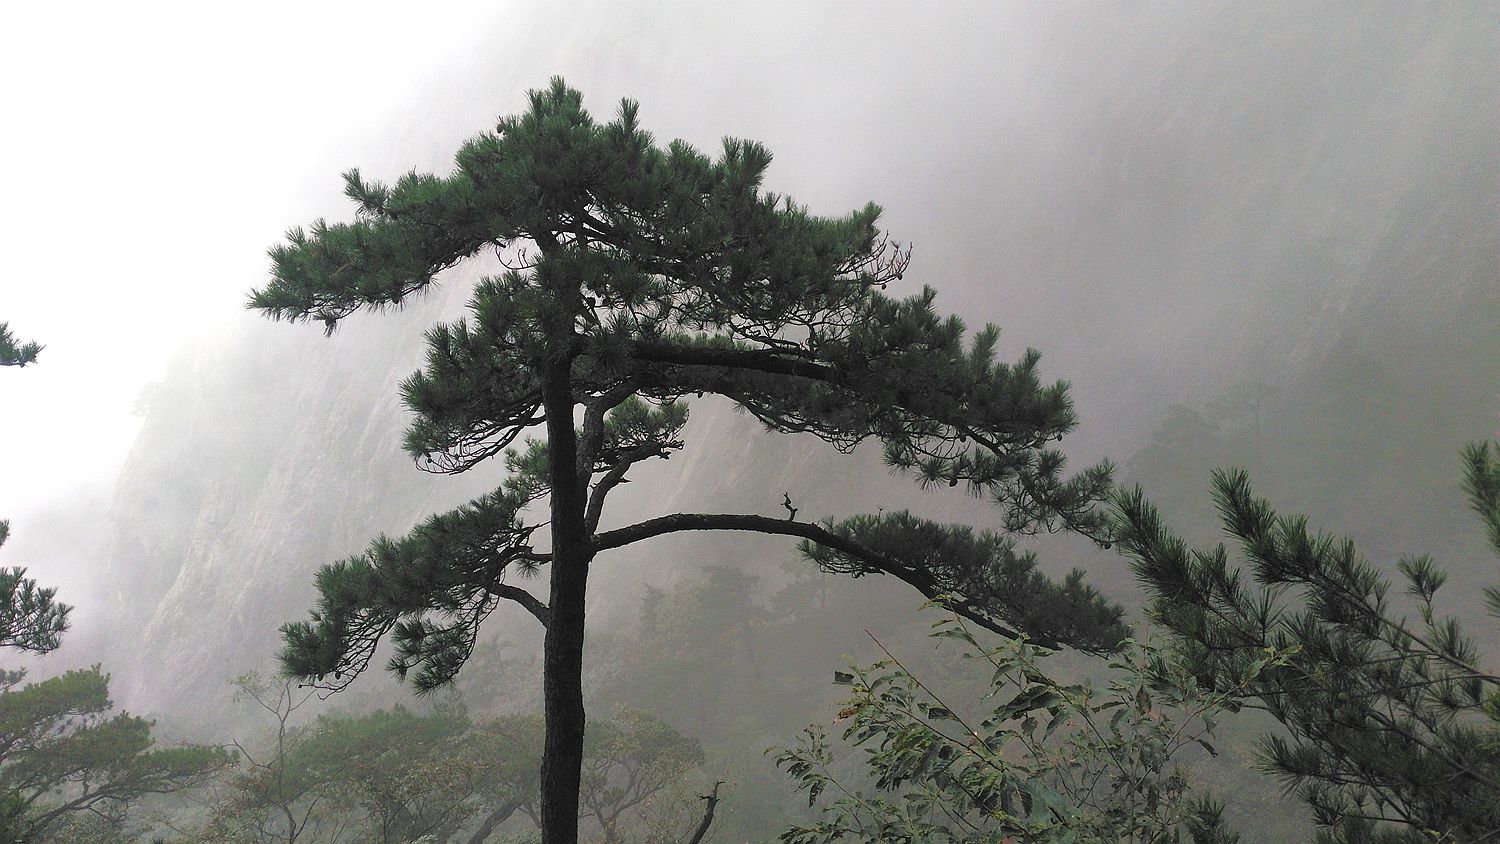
260,458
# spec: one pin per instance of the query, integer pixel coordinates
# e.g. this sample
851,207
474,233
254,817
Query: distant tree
31,619
102,827
61,752
1358,388
1392,725
14,351
507,751
640,275
1040,761
398,776
706,627
399,769
1244,398
628,760
387,776
267,797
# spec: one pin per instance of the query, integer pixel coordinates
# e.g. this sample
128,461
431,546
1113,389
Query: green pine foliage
1482,483
689,280
1391,724
31,618
640,275
15,351
986,569
62,752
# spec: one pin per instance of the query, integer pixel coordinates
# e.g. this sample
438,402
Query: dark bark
772,361
679,522
524,598
708,815
492,820
562,685
919,579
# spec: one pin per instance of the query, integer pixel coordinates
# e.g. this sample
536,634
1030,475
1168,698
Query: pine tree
31,618
1392,724
62,753
640,275
16,352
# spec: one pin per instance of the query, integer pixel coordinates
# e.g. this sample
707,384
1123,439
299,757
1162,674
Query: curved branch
528,601
616,476
921,580
591,435
492,820
771,361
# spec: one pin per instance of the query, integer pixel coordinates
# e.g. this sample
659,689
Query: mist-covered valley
1246,236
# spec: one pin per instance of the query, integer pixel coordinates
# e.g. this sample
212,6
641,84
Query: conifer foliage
31,619
639,275
64,753
1392,724
15,351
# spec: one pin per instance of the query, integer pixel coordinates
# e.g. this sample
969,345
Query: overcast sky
152,153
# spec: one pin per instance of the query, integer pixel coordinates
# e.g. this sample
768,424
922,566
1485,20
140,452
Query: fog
1167,200
165,147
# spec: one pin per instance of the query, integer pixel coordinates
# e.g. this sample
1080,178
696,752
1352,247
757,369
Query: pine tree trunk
562,686
562,661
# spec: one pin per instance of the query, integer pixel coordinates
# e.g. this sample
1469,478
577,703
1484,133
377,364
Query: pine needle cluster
1391,723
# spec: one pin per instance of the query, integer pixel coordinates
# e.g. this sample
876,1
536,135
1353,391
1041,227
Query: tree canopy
1392,724
638,275
62,752
31,618
15,351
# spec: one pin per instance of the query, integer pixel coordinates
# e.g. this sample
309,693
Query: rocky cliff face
261,456
1179,200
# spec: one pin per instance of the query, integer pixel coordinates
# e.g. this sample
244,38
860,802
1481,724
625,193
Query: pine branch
14,351
530,602
983,609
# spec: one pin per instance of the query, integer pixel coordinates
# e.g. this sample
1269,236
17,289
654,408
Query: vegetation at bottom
398,775
1387,726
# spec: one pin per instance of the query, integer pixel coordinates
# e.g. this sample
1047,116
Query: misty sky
152,152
